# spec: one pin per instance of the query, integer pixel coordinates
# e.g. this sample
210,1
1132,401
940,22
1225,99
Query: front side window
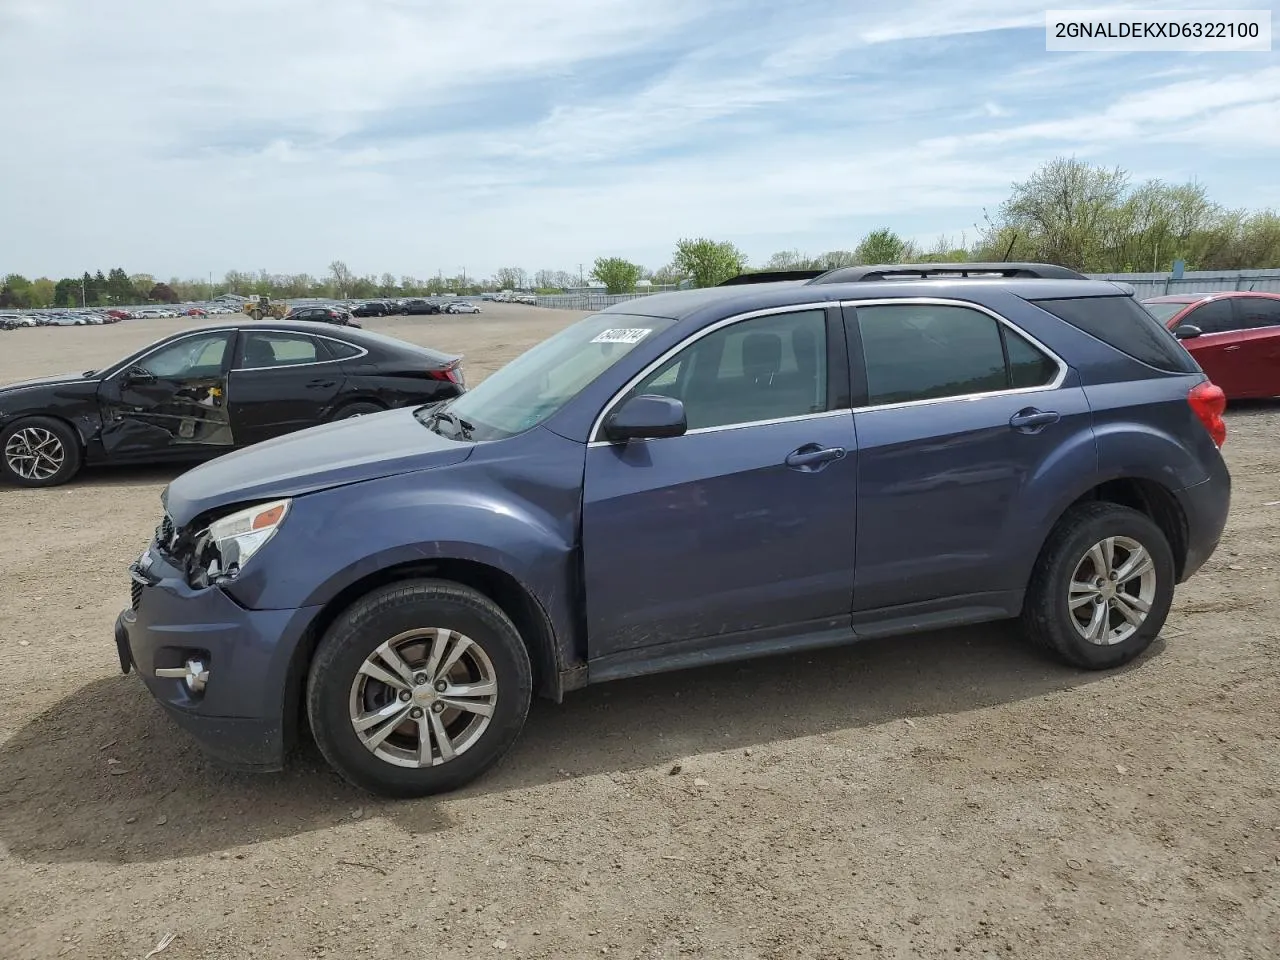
542,380
765,368
918,352
189,358
1212,317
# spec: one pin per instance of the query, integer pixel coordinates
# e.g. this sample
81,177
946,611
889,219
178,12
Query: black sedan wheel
39,452
418,688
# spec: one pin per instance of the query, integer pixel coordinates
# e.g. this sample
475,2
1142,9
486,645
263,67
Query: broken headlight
226,545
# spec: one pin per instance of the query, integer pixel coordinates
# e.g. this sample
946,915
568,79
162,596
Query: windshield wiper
461,428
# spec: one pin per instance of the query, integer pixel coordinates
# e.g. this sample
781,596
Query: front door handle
1031,420
321,384
1231,349
813,457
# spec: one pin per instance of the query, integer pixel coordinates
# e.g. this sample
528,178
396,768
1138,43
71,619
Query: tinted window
1215,316
269,349
341,350
193,357
765,368
1258,312
1028,365
926,351
1124,324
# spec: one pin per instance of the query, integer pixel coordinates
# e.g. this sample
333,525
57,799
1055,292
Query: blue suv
682,479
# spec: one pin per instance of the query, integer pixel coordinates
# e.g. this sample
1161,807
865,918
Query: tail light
1208,402
450,374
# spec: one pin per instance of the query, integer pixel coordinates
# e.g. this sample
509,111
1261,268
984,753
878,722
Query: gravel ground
952,794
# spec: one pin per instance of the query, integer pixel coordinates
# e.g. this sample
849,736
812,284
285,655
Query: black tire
1047,618
71,453
358,409
389,612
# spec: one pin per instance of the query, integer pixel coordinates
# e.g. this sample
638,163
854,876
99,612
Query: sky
424,136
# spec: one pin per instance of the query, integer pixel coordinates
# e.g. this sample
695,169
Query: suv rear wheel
1102,587
417,688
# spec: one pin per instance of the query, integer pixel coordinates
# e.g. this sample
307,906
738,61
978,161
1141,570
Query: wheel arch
1149,497
513,597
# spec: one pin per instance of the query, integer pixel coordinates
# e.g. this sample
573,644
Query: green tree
119,288
42,292
708,262
16,292
66,292
883,246
617,275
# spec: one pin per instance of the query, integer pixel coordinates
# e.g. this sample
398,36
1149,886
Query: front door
961,413
281,382
172,401
742,527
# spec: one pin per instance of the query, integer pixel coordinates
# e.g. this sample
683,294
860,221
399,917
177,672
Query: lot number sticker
632,335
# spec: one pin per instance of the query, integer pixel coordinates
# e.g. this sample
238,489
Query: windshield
1164,311
540,381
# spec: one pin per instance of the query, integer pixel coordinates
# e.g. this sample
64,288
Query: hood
331,455
49,382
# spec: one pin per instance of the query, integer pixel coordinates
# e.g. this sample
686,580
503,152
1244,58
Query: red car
1234,336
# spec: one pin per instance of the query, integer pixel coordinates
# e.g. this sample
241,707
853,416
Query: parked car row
58,318
412,306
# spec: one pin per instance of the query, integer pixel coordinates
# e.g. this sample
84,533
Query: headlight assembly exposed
229,542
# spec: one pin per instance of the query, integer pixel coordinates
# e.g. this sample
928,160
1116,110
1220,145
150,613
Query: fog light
194,673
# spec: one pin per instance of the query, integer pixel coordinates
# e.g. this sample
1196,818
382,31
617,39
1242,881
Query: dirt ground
951,794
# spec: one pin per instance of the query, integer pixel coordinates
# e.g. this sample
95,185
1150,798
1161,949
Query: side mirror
1187,331
647,417
139,375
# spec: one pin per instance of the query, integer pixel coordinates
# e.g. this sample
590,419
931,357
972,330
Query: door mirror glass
1187,331
646,417
139,374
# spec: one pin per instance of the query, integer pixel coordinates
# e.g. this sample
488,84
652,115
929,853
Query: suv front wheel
418,688
1102,587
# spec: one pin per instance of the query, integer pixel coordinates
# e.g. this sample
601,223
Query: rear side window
930,352
1259,312
1124,324
342,350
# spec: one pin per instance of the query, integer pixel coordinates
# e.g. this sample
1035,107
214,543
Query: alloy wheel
1111,590
34,453
423,698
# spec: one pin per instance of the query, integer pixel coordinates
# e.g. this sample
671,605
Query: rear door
956,411
282,381
1258,358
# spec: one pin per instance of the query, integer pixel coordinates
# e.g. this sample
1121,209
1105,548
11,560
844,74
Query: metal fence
1199,281
1144,285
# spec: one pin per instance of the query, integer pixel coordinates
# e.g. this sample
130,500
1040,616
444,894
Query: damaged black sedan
205,392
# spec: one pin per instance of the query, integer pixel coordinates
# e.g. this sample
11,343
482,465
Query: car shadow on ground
105,776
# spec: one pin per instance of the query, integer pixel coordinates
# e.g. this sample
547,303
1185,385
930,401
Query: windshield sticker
624,335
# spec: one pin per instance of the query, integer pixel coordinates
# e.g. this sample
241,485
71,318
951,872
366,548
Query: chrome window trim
310,363
1054,384
820,305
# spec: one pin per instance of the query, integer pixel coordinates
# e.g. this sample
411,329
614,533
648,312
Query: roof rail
925,271
771,276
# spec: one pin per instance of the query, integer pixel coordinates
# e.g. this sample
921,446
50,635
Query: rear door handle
1231,349
1032,420
324,384
813,457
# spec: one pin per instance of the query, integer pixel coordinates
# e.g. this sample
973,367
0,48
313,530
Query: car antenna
1009,250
